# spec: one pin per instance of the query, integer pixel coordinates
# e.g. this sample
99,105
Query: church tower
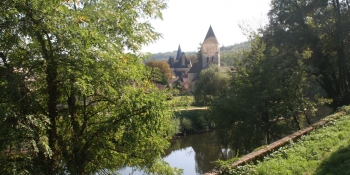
210,49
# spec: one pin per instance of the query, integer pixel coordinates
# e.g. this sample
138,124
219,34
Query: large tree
265,99
212,82
322,26
160,71
71,99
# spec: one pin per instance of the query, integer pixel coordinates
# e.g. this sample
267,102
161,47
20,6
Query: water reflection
205,149
193,153
184,159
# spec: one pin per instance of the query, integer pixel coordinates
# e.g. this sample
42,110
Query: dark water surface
193,153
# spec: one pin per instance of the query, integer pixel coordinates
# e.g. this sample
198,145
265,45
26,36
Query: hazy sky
186,22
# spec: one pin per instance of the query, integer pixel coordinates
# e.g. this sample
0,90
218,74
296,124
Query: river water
193,153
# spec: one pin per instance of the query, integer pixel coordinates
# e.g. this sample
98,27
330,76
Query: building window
212,59
207,60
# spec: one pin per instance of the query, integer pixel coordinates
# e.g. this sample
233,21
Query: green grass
179,102
326,151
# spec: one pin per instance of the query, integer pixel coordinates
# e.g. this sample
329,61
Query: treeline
271,93
166,55
228,54
231,54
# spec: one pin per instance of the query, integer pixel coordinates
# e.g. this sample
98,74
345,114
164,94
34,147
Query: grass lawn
181,101
325,151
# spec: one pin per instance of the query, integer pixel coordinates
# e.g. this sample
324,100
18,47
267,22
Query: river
193,153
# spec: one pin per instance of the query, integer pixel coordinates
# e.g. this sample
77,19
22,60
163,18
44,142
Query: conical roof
210,36
179,53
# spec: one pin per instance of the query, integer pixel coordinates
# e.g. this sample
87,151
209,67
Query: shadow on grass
337,163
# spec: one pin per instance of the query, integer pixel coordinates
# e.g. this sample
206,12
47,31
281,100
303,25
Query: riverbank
192,121
326,150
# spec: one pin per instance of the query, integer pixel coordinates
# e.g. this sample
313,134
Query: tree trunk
53,95
342,97
296,122
307,119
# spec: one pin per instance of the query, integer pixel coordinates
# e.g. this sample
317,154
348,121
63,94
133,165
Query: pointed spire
210,37
210,33
179,53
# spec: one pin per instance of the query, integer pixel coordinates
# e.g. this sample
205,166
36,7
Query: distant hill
166,55
236,47
228,53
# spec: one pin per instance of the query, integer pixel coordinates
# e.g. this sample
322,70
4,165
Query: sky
186,22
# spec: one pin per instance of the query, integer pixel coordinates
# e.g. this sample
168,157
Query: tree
265,99
72,100
193,58
231,54
161,71
199,54
212,83
321,26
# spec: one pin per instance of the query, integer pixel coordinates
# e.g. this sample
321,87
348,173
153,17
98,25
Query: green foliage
180,101
160,71
266,97
165,55
324,151
161,167
230,55
225,165
199,54
193,58
212,82
322,28
186,124
194,120
305,43
72,100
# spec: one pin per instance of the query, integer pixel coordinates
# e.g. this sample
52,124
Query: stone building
180,65
210,49
184,72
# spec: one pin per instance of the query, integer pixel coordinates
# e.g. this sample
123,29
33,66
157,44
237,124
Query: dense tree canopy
230,55
321,26
160,71
72,101
266,98
212,83
306,42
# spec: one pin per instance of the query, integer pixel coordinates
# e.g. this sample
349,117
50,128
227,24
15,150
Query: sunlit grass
326,150
179,102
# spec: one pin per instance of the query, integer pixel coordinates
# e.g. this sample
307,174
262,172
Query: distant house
186,73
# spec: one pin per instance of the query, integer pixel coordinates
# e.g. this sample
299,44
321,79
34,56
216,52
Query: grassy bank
325,150
181,101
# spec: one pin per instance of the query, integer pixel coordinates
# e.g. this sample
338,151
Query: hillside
325,150
228,53
166,55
